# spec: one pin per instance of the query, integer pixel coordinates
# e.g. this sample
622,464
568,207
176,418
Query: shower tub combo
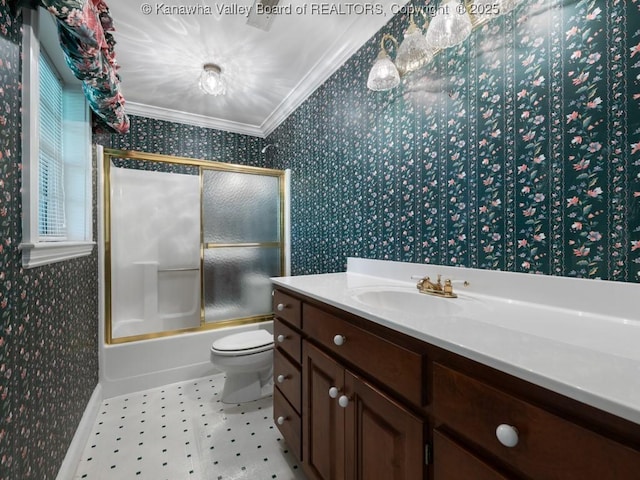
189,247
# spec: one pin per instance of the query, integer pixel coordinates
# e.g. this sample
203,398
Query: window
51,218
56,174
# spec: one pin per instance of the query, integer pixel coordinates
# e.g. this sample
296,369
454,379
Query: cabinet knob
333,392
281,378
343,401
281,307
281,420
507,435
339,340
281,338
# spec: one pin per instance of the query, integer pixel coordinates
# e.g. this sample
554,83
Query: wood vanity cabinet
414,411
351,428
365,428
358,433
287,370
534,442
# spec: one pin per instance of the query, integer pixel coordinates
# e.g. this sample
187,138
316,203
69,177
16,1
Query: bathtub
135,366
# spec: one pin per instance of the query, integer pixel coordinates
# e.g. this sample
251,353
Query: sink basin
410,301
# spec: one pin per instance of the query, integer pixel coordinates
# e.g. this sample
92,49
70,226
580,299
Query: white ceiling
268,74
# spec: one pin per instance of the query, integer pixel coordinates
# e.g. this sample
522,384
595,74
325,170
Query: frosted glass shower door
242,233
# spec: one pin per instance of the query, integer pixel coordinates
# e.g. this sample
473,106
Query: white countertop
579,338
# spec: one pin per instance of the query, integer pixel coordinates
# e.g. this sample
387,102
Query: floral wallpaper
518,150
48,315
170,138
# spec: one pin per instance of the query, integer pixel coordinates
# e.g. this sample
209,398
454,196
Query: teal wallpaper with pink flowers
518,150
48,315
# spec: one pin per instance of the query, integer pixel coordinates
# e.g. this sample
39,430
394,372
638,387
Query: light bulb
211,81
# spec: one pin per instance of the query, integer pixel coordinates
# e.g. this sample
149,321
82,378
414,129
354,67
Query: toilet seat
244,343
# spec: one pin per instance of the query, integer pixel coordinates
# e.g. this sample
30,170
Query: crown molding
342,49
170,115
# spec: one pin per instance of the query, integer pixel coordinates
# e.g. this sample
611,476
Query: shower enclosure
189,244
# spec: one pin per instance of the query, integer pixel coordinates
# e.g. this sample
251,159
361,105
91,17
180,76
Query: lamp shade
450,26
211,81
384,74
414,51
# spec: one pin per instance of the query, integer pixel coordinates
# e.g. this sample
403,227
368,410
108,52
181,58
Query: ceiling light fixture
450,26
211,81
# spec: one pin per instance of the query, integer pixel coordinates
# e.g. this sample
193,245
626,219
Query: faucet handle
448,287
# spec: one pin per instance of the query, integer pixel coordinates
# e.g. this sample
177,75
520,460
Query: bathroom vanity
376,380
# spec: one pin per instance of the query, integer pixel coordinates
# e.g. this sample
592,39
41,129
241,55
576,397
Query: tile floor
183,431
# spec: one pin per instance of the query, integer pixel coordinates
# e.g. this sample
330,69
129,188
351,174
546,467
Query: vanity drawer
453,462
287,307
286,376
390,364
287,339
288,422
548,446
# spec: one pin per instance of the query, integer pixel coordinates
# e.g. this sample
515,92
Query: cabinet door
384,439
323,419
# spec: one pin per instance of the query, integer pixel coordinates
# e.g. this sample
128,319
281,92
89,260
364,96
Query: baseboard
124,386
81,437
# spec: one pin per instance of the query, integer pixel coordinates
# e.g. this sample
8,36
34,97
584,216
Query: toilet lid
252,341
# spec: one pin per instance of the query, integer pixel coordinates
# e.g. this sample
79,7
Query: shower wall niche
189,244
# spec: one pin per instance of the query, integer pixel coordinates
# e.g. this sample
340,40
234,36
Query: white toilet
247,360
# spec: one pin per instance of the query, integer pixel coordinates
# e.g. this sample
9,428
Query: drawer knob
281,420
507,435
281,307
333,392
339,340
343,401
281,338
281,378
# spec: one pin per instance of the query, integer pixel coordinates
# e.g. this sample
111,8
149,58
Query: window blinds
51,202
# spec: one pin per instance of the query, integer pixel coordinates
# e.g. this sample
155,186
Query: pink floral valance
84,28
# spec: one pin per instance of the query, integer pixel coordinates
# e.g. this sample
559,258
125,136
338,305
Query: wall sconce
414,51
211,81
383,75
452,24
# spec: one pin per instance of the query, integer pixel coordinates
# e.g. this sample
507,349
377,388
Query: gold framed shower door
202,165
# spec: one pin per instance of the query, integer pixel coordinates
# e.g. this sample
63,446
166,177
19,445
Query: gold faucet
425,285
